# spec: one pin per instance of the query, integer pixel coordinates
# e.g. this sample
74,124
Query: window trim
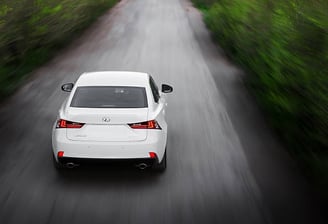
154,89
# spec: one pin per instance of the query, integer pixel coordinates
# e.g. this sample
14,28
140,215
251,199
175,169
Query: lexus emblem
105,119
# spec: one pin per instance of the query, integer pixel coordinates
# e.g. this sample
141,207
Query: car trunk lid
106,125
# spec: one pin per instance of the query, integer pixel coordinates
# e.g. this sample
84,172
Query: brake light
61,123
146,125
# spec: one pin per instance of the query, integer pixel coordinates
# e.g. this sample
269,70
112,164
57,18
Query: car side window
154,89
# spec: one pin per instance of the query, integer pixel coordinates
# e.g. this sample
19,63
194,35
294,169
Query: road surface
224,163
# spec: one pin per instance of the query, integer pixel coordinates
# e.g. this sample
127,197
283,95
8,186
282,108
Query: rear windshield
109,97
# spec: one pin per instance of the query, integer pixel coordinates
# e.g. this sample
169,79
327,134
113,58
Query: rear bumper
86,161
85,150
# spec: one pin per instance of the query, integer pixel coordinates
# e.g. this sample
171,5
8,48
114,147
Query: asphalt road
224,163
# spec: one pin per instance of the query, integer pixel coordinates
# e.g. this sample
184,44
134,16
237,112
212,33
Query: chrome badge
106,119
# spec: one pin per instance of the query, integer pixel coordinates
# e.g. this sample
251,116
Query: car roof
113,78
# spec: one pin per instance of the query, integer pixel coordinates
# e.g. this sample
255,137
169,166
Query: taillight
146,125
61,123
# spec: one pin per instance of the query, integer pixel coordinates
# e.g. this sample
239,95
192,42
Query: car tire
161,167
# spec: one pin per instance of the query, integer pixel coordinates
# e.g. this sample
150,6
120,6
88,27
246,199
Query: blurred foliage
284,46
204,3
31,30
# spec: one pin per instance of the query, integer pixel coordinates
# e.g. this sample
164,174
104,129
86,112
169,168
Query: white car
112,116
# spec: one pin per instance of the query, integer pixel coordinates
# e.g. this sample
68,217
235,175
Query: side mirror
167,88
67,87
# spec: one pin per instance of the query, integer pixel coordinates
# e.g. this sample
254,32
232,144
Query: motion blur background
281,45
32,30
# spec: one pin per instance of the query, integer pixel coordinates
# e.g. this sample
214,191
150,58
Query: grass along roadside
32,32
283,47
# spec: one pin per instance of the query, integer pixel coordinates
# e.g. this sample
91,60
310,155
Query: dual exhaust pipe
72,165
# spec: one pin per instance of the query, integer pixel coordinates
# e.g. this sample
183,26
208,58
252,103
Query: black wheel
162,165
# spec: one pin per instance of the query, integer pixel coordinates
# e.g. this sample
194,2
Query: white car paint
106,133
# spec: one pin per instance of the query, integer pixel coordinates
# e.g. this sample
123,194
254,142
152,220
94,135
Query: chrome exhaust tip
142,166
71,165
